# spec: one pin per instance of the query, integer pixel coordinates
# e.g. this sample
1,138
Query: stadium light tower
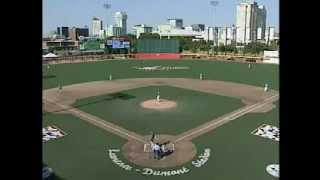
106,6
214,4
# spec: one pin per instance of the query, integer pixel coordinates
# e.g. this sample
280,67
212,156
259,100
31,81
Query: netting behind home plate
168,147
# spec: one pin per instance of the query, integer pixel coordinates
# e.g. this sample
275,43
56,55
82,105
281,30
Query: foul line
230,117
99,122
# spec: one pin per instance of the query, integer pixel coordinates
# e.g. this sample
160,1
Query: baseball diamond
204,124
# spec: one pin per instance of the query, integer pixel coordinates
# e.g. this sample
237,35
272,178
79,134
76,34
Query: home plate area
51,133
166,148
267,131
174,154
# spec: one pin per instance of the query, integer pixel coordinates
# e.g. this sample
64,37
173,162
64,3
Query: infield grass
193,109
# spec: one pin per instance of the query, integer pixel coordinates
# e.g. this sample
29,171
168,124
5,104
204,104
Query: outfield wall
158,46
171,56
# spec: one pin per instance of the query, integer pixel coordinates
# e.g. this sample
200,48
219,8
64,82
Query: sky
151,12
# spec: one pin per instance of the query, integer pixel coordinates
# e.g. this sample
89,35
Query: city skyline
65,13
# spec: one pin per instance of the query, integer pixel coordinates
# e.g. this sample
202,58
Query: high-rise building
103,34
188,28
176,23
109,30
121,21
97,26
270,34
164,28
63,32
226,35
250,18
198,27
141,28
117,31
210,34
113,30
220,35
75,33
261,22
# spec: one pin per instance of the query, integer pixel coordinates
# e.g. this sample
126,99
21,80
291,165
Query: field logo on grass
202,159
161,68
273,169
148,172
52,132
113,156
267,131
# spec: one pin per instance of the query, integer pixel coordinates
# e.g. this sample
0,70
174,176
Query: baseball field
208,111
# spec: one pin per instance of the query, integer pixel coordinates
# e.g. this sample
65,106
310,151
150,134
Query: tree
274,45
149,36
256,48
133,42
222,48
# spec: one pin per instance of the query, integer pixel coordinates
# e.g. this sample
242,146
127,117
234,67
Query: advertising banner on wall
126,44
102,46
117,44
271,57
109,42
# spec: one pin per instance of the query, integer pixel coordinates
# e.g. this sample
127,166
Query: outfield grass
65,74
193,109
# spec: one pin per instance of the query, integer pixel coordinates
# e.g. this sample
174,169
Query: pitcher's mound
162,105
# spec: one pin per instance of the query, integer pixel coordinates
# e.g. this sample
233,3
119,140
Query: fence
158,46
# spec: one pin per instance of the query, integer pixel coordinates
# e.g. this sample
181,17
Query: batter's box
267,131
52,132
165,148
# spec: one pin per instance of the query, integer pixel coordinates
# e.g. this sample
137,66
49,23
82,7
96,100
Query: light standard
268,36
245,30
245,26
213,4
235,37
106,6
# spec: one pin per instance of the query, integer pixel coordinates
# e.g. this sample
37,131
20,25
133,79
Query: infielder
158,97
60,87
266,87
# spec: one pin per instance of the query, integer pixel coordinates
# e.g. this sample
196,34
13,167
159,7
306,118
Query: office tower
97,26
251,19
121,21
